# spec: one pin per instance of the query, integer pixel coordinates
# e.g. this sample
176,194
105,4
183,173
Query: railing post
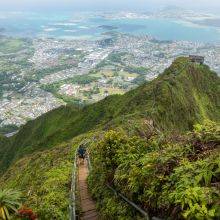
72,206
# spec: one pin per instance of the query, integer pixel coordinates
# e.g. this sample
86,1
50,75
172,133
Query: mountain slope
38,159
172,177
185,94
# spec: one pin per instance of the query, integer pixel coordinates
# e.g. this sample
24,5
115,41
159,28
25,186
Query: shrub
168,177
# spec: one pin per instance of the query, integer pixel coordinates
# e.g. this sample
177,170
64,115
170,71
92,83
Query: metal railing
139,209
72,206
73,214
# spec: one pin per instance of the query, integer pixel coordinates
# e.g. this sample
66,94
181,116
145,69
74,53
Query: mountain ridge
154,124
185,94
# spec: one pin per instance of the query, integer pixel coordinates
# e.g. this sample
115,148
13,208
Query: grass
11,45
112,91
127,74
111,73
45,179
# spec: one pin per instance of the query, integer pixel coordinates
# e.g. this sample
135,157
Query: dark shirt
81,151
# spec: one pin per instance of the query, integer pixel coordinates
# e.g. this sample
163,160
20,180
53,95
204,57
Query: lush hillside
3,145
44,178
30,137
184,95
174,177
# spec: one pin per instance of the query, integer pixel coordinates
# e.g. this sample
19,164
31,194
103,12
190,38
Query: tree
9,202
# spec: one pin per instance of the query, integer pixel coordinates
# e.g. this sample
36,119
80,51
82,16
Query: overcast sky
106,4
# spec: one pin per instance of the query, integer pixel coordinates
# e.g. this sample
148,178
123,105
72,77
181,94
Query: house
197,59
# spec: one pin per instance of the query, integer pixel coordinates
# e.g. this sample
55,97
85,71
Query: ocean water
87,26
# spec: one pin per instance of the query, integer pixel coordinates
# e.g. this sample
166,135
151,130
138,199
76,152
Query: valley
38,75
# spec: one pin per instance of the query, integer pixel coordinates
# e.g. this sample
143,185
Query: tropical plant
9,202
207,132
171,178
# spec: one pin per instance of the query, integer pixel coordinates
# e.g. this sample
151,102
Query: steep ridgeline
38,159
185,94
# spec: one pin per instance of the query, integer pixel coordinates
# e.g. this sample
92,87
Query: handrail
144,213
139,209
72,206
88,162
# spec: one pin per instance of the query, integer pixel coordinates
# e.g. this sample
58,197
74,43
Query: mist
108,5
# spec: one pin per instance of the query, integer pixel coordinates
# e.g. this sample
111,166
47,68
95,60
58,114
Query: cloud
104,4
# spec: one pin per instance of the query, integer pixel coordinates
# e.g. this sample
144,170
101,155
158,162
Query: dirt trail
87,204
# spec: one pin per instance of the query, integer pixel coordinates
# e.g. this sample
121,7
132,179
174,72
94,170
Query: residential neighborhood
45,73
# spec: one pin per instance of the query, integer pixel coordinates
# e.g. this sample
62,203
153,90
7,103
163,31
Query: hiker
81,153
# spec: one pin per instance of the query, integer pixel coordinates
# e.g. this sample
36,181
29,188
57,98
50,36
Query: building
197,59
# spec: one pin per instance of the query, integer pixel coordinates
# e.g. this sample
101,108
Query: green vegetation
9,203
8,129
39,74
45,179
55,87
139,70
12,45
168,178
14,54
69,99
169,101
80,79
148,157
116,57
139,80
33,135
113,58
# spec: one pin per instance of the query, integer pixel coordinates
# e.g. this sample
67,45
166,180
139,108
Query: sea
92,26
